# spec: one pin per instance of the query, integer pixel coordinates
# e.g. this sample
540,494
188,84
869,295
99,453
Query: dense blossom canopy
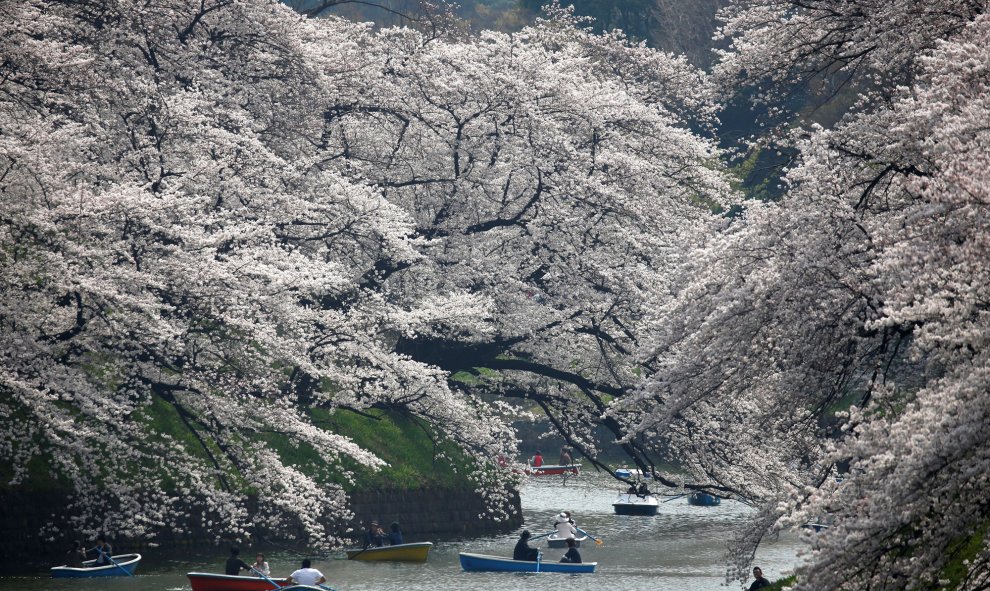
827,355
216,216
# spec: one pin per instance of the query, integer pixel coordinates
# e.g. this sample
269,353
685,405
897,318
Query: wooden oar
598,541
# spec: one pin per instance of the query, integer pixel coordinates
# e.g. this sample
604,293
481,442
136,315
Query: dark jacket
759,584
234,566
522,551
572,555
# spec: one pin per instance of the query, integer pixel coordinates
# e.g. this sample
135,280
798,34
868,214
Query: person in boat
537,459
394,534
642,491
76,555
374,537
260,566
307,575
234,564
564,526
103,551
572,555
760,582
522,551
632,489
565,456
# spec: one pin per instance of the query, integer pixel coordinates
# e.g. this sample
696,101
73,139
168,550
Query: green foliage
965,549
416,456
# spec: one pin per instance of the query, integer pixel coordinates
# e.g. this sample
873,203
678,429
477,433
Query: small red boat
215,582
553,470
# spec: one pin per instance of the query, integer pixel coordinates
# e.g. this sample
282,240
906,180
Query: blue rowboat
482,562
126,563
703,499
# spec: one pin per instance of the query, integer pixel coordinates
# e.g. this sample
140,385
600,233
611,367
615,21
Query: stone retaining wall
424,514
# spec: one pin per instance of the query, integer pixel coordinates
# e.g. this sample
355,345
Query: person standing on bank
760,582
572,555
234,564
307,575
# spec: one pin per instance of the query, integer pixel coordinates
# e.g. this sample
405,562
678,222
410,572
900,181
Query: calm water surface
682,548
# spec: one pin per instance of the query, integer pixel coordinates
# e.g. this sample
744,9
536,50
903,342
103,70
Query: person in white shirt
565,526
306,575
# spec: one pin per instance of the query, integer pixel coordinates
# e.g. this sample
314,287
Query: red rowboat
215,582
552,470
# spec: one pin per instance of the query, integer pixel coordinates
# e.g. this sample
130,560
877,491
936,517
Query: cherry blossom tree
843,330
169,248
217,216
553,171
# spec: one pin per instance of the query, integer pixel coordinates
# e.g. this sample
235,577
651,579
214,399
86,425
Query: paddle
264,576
114,562
539,557
541,536
322,586
676,497
598,541
110,558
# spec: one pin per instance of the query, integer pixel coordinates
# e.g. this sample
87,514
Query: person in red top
537,459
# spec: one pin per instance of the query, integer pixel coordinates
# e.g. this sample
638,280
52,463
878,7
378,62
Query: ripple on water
682,548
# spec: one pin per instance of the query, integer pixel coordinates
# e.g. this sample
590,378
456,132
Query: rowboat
417,552
299,588
126,563
217,582
633,473
551,470
484,563
633,504
555,541
703,499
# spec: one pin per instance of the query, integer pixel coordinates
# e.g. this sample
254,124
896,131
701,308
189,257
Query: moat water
683,548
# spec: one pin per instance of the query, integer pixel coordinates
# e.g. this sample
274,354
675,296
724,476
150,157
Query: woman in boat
537,459
260,566
565,456
522,551
374,537
394,534
564,526
76,555
572,555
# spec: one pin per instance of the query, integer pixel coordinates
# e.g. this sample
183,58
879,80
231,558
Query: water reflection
682,548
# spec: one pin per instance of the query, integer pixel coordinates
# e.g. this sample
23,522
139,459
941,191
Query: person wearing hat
522,550
375,536
565,526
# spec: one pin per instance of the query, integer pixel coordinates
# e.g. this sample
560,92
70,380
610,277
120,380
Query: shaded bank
424,514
